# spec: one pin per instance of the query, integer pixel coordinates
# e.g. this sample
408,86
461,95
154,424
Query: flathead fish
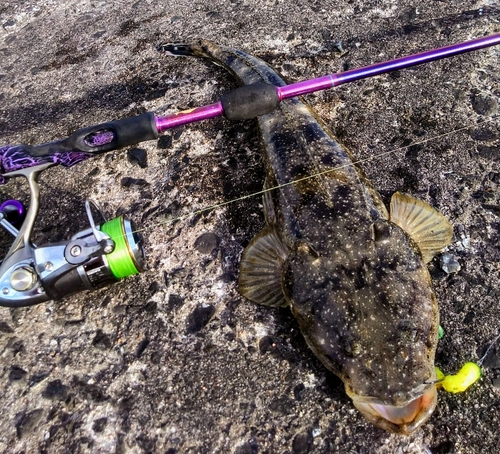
353,274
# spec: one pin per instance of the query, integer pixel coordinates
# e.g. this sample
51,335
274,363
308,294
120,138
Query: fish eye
381,231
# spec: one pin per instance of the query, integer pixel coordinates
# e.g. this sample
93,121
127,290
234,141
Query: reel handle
13,211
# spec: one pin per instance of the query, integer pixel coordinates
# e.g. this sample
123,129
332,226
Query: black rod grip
103,137
250,101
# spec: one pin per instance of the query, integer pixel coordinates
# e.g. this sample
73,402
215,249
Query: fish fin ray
430,230
268,204
261,269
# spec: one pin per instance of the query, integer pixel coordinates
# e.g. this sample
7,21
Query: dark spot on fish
227,278
410,179
178,132
265,344
369,373
343,198
413,151
154,287
484,105
361,275
407,332
390,265
328,159
285,143
128,27
312,132
484,134
38,377
443,448
343,192
230,59
150,306
93,172
213,15
298,171
469,318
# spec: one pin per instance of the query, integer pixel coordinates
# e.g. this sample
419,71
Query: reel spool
122,256
128,257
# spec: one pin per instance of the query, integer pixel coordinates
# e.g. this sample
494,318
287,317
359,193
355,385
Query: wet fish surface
353,274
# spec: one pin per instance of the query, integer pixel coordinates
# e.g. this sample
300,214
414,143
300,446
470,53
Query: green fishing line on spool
120,261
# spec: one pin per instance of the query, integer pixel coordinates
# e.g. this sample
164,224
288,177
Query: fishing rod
111,250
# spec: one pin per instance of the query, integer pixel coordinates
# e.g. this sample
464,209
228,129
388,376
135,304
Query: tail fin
177,49
247,68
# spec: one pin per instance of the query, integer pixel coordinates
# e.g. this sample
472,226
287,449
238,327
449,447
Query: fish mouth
403,419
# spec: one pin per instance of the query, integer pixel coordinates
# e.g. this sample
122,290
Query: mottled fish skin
354,280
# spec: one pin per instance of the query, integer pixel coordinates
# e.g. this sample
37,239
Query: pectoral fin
261,269
430,230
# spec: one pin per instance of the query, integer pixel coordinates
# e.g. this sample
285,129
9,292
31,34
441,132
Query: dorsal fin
261,269
430,230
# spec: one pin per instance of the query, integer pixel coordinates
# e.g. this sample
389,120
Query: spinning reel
97,256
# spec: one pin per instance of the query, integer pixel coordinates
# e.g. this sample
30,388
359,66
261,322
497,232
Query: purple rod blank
333,80
188,116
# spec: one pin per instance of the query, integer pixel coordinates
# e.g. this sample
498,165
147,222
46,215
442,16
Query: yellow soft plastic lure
469,374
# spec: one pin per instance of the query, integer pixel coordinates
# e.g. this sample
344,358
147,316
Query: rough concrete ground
174,360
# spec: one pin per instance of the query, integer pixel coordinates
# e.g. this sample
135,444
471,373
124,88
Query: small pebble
449,264
126,182
138,156
199,318
206,243
484,105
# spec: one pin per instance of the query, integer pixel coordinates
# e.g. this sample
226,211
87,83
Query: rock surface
174,360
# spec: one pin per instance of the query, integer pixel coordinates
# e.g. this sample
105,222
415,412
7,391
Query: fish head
370,315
